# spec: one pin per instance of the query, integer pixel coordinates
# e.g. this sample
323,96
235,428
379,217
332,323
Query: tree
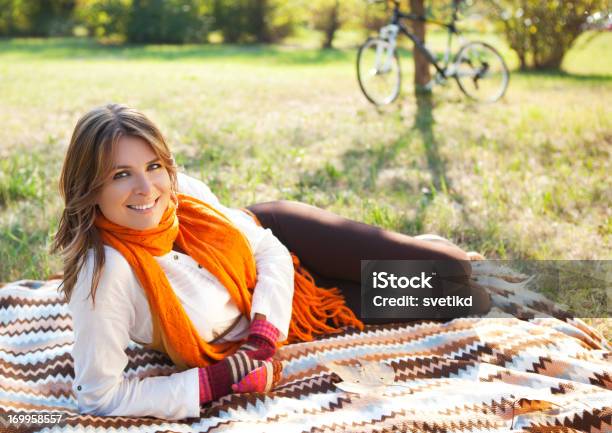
260,21
36,18
373,18
541,32
167,21
327,18
421,65
104,18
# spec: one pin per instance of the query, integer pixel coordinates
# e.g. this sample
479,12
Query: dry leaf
366,378
525,405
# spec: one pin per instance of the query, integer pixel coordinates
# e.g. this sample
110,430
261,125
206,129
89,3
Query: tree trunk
259,21
522,61
332,25
421,65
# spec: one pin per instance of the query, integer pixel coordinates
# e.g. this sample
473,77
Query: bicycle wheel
481,72
378,71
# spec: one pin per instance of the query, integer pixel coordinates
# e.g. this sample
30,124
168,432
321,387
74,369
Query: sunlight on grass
527,177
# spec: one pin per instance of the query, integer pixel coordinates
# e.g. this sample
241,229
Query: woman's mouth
144,209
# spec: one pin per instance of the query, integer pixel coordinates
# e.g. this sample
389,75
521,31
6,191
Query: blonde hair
87,166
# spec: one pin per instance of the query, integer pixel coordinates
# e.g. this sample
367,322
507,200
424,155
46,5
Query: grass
527,177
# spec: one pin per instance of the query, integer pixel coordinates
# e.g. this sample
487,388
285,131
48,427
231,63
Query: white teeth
142,207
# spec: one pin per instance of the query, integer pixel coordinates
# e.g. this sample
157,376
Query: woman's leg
332,247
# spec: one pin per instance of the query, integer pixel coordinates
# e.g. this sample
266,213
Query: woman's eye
120,175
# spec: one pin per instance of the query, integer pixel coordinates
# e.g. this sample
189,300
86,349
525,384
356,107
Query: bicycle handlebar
422,18
456,3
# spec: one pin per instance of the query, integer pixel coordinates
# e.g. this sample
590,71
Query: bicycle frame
474,60
396,20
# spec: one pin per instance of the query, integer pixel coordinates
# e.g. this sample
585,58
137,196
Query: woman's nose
144,186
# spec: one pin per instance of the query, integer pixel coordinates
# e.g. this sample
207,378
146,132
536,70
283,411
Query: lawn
527,177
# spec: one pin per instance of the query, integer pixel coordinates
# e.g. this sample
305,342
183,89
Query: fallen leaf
365,378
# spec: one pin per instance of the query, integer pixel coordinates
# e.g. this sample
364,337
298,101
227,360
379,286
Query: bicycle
478,68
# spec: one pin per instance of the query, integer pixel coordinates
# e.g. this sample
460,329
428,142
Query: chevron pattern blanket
546,374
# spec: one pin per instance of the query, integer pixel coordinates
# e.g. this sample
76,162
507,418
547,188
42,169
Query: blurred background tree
541,32
167,21
327,18
104,19
374,17
36,18
262,21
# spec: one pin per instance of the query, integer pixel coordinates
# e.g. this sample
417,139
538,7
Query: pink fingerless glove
215,382
261,342
262,379
249,369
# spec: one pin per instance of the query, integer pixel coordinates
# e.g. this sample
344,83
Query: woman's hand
252,357
216,380
262,379
261,342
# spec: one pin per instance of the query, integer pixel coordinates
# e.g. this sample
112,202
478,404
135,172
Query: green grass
527,177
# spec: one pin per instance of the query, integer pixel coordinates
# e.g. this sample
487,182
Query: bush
36,18
541,32
373,17
327,16
261,21
104,18
281,21
167,21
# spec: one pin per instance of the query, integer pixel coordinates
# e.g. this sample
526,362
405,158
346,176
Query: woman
215,288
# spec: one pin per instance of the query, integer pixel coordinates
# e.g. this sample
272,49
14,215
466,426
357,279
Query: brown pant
331,248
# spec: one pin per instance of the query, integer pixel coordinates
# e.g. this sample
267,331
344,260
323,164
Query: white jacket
102,334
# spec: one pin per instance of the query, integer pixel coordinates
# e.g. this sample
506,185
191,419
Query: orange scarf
213,241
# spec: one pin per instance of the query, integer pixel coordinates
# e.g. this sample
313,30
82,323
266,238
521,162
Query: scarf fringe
313,306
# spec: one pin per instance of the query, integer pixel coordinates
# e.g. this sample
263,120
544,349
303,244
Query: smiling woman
221,307
139,190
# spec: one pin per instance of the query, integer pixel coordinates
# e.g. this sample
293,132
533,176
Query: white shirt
121,313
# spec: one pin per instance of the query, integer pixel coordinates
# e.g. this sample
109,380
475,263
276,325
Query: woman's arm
101,339
273,294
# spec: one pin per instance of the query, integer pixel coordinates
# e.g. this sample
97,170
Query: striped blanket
545,374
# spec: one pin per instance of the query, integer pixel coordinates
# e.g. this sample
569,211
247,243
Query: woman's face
137,179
